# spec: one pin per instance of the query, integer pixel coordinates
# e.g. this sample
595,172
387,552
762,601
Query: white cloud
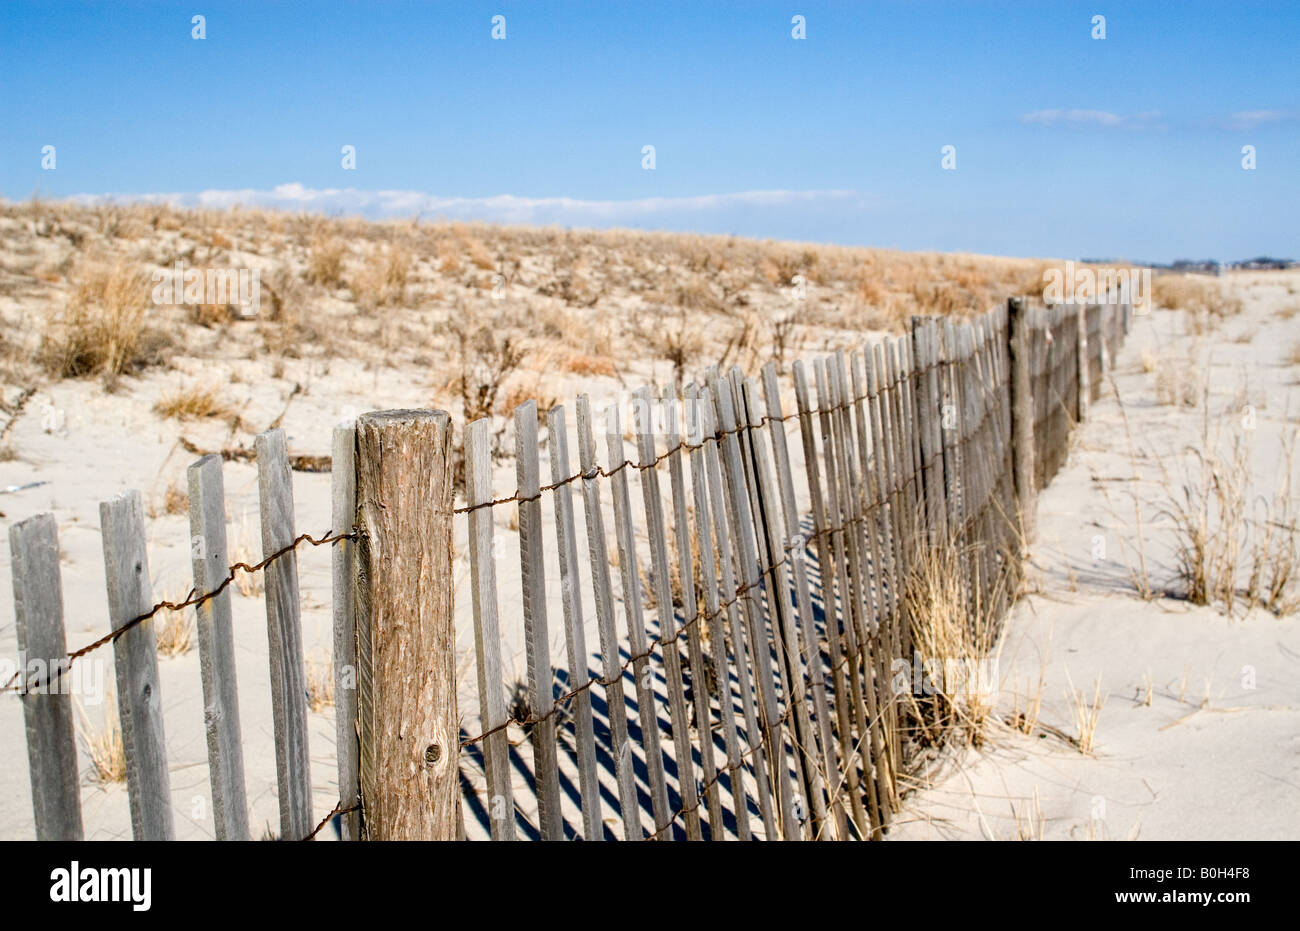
501,208
1149,119
1253,119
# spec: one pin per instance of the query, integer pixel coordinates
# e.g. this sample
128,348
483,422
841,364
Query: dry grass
104,745
174,501
325,261
1087,712
1178,382
320,683
582,364
382,279
486,361
1029,819
397,291
1027,707
192,403
175,629
248,584
1234,546
955,635
101,329
1202,298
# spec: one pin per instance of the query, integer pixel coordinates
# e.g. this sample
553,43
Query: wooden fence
752,614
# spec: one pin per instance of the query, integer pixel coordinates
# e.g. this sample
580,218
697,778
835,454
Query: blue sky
1065,145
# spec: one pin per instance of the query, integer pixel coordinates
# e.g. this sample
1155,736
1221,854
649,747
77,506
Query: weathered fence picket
284,634
217,650
47,707
135,657
575,637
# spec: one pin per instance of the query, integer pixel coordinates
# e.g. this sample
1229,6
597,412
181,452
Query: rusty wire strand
191,600
338,810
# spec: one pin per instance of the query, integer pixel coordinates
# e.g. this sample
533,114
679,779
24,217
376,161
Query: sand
1214,752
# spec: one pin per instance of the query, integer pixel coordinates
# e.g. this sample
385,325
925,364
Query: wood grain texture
537,643
736,636
487,636
810,806
795,543
741,523
657,534
284,635
410,789
135,657
575,637
343,576
47,698
718,683
638,643
830,583
1022,413
210,560
607,629
690,607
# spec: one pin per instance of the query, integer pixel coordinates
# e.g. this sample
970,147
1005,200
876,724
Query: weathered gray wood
411,765
566,546
1082,366
742,529
657,535
1022,414
908,366
950,426
811,809
487,637
47,694
217,649
928,423
344,569
795,545
737,608
876,649
637,642
887,475
537,644
135,656
887,649
690,606
826,538
857,631
709,580
284,633
603,589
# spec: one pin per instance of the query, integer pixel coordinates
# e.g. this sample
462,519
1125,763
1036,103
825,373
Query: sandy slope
1215,752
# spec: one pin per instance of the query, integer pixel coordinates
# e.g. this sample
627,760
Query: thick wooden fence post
410,742
1022,413
47,702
